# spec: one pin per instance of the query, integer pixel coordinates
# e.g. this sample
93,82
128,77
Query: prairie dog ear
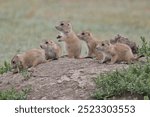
107,42
14,58
20,60
69,25
89,33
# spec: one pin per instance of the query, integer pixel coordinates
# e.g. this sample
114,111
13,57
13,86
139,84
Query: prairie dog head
16,63
120,39
85,35
64,26
103,46
48,44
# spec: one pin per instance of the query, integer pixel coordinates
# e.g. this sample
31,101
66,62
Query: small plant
25,74
12,94
134,80
145,49
5,68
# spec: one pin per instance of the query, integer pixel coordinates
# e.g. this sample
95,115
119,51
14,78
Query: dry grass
25,23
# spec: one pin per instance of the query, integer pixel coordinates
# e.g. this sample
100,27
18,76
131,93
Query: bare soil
60,79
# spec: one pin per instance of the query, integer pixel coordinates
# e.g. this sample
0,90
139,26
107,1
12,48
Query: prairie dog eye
62,24
13,62
103,44
83,33
46,42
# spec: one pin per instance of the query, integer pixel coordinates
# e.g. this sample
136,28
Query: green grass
13,94
145,49
5,68
25,23
135,80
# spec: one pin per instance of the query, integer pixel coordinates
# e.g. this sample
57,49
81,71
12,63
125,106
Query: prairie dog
28,59
124,40
119,52
52,50
73,44
104,56
90,41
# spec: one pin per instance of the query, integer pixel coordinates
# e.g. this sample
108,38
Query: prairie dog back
28,59
90,41
125,40
118,52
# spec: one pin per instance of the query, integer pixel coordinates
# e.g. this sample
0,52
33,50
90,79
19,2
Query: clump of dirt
60,79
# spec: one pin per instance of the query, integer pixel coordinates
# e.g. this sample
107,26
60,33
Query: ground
60,79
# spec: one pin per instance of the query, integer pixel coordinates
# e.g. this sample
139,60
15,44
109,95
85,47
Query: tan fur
73,44
104,57
90,41
28,59
124,40
118,52
52,49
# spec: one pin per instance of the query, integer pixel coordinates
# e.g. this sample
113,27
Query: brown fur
52,50
90,41
73,44
104,57
28,59
118,52
124,40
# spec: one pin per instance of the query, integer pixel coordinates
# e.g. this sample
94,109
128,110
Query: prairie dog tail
138,57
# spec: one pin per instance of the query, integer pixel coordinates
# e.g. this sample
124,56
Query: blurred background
25,23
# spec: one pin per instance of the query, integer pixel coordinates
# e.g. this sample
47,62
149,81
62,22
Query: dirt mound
60,79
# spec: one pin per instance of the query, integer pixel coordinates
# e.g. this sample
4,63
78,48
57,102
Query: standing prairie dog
52,50
119,52
28,59
90,41
73,44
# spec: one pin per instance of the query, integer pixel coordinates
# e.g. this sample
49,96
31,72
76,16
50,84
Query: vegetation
13,94
25,74
145,49
5,68
134,80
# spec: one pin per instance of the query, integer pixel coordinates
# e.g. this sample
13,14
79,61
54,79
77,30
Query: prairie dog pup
90,41
118,52
52,50
28,59
105,57
124,40
73,44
